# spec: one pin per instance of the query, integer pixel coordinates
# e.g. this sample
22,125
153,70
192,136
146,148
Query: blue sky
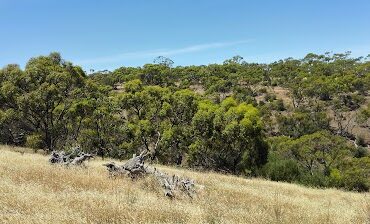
113,33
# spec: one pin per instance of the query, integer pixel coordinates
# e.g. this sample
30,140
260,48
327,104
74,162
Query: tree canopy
298,120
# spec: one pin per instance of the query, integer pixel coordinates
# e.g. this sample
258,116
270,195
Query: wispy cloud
161,52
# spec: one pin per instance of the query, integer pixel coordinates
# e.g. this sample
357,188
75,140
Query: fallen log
135,168
173,183
115,170
75,158
79,160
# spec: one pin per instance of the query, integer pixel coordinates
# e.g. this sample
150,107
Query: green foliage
323,160
363,116
34,141
279,169
315,179
133,86
160,120
302,121
319,151
361,152
270,97
156,74
278,105
356,174
245,95
53,104
42,95
360,141
228,137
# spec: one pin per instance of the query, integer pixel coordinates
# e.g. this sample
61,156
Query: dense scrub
303,121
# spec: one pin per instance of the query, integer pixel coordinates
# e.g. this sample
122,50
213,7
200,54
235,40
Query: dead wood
135,168
74,158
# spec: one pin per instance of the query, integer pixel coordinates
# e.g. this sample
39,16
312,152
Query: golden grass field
32,191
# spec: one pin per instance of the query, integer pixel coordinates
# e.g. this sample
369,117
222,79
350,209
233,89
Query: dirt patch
198,88
283,94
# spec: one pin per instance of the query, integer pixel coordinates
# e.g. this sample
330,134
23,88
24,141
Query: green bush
34,141
278,105
269,97
361,152
281,170
316,179
263,90
360,140
356,174
356,181
335,178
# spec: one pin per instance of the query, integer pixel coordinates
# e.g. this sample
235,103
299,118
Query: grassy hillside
32,191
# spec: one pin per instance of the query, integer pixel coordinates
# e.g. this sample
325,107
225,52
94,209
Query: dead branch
171,184
75,158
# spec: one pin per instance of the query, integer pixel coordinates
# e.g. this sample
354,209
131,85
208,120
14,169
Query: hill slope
32,191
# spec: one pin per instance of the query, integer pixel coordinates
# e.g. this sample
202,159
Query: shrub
281,169
336,178
355,181
360,152
361,141
34,141
356,174
263,90
279,105
274,83
316,179
270,97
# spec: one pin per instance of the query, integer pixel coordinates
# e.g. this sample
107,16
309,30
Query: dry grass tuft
32,191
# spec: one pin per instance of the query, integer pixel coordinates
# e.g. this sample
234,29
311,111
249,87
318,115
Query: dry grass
32,191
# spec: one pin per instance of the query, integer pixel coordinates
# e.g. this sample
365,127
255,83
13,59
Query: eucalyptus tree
41,95
228,137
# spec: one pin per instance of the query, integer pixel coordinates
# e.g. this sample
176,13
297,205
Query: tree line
223,117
